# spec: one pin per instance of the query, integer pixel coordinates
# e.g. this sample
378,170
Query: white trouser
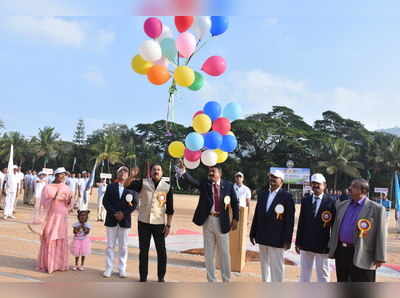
321,266
272,263
82,205
114,235
215,241
101,211
9,203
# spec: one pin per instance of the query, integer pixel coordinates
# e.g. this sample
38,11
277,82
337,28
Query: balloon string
170,116
198,49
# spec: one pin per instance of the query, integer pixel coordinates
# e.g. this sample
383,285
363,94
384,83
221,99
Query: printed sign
105,176
295,175
381,190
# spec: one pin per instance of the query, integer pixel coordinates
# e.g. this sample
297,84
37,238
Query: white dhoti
101,211
82,204
272,263
307,259
9,203
216,242
114,235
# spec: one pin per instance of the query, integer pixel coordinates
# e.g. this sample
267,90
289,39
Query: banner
295,175
396,192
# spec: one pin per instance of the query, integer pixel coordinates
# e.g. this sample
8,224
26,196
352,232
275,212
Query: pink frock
54,253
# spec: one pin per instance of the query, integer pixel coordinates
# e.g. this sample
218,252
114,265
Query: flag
396,191
73,164
89,183
11,161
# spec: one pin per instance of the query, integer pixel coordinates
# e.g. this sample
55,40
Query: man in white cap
10,192
317,214
272,226
243,193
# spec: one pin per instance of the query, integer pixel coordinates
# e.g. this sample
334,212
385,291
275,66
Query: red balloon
214,66
198,113
222,125
183,23
192,155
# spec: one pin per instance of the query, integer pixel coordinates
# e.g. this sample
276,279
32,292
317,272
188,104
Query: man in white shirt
2,177
73,186
242,191
10,192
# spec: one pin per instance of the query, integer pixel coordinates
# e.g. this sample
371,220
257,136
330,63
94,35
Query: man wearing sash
155,204
317,213
272,227
358,240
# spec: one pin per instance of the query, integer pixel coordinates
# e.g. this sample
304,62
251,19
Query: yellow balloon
140,65
222,156
184,76
201,123
176,149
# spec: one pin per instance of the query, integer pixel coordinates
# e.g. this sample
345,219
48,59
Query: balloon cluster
212,138
159,57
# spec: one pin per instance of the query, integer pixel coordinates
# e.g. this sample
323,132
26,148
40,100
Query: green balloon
168,49
198,82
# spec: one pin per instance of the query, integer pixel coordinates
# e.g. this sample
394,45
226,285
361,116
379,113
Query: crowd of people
349,228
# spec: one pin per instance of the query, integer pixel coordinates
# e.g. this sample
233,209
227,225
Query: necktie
314,206
217,205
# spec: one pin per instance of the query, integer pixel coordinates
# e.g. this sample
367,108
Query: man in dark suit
119,203
317,214
212,213
272,226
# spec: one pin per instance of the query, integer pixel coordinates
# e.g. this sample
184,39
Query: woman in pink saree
52,215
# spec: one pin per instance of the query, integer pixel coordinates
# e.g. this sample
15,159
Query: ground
19,249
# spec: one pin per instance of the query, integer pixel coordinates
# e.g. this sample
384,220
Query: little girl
81,246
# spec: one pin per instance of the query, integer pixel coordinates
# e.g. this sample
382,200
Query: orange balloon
158,75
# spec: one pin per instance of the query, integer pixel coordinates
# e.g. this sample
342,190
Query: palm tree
20,146
2,124
108,148
340,160
47,143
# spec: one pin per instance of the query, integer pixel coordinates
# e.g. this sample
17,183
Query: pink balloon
222,125
198,113
153,27
192,155
163,61
186,44
214,66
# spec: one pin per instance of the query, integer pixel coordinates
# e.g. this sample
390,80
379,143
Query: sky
65,60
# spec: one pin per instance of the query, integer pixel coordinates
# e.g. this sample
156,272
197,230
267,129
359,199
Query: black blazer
113,203
205,203
311,233
266,228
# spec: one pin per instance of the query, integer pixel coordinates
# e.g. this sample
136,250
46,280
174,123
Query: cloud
258,91
94,77
39,8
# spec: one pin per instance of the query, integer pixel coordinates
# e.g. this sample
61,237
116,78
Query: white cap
60,171
318,178
15,167
239,174
41,173
123,168
278,174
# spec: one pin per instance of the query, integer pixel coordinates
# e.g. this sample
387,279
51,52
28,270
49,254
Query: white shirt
12,182
101,190
40,184
121,189
2,177
212,188
318,202
243,193
72,184
271,197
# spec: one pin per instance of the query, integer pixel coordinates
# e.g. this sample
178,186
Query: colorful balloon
232,111
212,109
168,49
209,158
158,75
219,24
201,27
176,149
198,82
201,123
184,76
194,141
222,125
186,44
191,165
166,33
140,65
214,66
150,50
153,27
222,156
212,140
163,61
183,23
192,155
229,143
197,113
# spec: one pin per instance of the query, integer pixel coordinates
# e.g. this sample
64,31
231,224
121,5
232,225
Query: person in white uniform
73,186
2,197
11,188
242,191
40,183
101,190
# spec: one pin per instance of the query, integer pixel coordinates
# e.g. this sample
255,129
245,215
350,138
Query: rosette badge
364,225
129,199
227,201
162,198
279,210
326,217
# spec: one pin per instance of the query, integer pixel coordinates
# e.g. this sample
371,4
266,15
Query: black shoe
161,280
143,280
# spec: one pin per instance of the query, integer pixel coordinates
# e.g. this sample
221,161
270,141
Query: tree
108,149
1,124
79,134
47,144
20,147
340,160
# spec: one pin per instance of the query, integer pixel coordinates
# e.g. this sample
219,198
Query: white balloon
201,27
150,50
209,158
191,165
166,33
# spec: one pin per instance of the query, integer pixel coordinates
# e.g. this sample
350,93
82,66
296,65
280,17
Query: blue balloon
229,143
213,140
194,141
212,109
232,111
219,24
